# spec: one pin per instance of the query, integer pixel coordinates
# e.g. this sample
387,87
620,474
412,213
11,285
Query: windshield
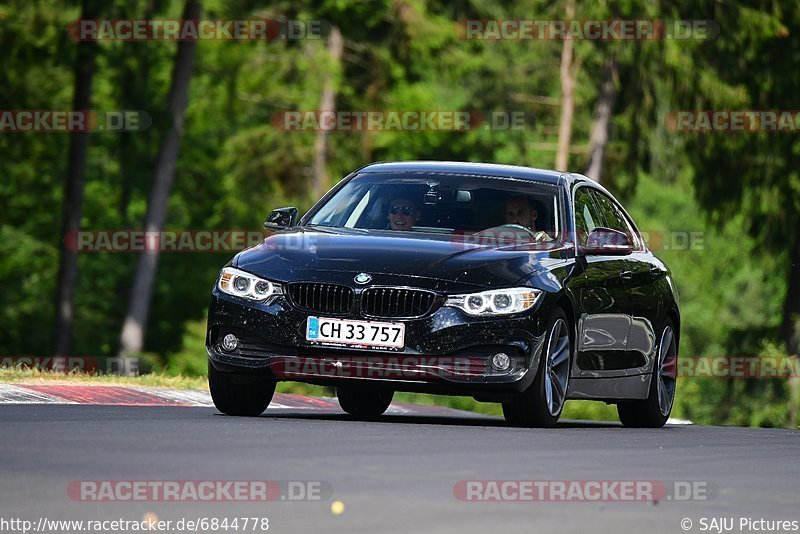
442,203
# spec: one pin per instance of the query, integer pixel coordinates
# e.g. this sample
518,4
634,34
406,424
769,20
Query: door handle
626,275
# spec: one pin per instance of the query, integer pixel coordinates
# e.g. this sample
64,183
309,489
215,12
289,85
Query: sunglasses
405,210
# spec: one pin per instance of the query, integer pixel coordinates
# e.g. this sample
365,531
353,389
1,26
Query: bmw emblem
363,278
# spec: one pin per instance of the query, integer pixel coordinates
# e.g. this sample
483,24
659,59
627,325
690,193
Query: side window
613,217
587,215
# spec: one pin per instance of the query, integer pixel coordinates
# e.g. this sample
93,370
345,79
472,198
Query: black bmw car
514,285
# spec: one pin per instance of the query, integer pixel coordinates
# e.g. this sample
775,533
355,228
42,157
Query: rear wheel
239,394
541,404
364,401
654,411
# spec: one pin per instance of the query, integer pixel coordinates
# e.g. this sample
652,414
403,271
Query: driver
402,213
522,211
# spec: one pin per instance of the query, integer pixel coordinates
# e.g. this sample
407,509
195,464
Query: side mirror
281,218
607,242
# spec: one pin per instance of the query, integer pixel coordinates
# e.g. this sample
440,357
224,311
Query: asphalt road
393,475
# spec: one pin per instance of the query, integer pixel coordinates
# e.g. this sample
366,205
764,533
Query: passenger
402,214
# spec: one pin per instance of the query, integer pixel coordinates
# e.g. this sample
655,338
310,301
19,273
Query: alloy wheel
556,378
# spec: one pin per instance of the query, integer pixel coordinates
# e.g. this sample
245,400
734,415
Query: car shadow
441,420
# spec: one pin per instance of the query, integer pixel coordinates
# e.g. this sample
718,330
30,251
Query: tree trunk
134,328
598,139
790,327
319,178
131,99
73,191
567,73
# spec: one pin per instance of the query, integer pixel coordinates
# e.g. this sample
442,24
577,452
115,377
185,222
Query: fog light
501,361
230,342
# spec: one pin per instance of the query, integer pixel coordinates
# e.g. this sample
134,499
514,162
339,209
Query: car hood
433,261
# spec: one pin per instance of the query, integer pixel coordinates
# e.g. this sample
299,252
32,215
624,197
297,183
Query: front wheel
654,411
238,394
364,401
540,405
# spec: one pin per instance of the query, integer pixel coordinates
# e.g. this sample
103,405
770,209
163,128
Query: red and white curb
148,396
143,396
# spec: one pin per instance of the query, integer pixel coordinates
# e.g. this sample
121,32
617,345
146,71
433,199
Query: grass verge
37,376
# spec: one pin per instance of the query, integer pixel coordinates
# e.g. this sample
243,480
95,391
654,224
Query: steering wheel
514,227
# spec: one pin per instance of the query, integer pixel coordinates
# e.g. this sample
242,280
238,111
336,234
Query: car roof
481,169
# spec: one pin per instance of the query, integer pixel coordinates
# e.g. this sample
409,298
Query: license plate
361,333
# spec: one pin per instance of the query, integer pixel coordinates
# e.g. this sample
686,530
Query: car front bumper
445,352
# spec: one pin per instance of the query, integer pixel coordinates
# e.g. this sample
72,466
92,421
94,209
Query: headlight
497,301
241,284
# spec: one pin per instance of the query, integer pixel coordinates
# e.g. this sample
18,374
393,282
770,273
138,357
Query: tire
541,404
364,401
237,394
653,412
